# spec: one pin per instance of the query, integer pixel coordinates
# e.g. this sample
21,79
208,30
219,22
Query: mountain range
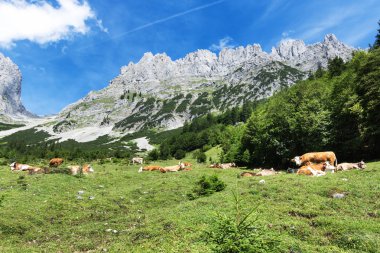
161,93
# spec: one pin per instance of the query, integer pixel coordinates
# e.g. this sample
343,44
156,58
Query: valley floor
121,210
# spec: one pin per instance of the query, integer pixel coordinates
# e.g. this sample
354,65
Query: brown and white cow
350,166
76,169
19,166
150,168
316,158
174,168
312,169
55,162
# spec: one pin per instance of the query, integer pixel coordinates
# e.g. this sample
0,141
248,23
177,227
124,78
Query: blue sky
66,48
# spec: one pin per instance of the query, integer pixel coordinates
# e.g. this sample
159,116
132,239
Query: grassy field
150,211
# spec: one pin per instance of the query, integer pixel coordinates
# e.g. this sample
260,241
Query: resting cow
55,162
175,168
266,172
150,168
311,169
37,170
316,157
75,170
19,166
350,166
247,174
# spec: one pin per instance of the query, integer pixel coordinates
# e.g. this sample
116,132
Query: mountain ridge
154,83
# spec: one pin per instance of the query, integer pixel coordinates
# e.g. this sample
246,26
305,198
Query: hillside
158,92
336,109
153,214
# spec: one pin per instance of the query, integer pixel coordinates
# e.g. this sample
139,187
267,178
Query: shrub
200,156
207,186
239,233
179,154
153,155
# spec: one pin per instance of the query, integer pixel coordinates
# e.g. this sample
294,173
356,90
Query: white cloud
41,22
223,43
287,34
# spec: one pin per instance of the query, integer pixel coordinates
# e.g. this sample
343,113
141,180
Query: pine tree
377,41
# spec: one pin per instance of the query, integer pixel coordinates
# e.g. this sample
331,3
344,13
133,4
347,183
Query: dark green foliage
335,67
179,154
368,89
4,126
240,233
200,156
153,155
29,145
376,45
207,186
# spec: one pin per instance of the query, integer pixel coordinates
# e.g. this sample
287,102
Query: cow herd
53,168
310,164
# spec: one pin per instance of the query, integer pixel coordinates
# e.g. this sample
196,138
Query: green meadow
121,210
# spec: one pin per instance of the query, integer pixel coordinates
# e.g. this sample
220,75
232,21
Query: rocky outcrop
10,90
160,92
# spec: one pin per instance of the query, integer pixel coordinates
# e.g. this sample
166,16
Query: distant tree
153,155
319,72
335,66
369,97
377,41
179,154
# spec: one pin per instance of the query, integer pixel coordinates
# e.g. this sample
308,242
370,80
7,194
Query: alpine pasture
117,209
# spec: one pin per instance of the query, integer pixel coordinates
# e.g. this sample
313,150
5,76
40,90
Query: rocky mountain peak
10,89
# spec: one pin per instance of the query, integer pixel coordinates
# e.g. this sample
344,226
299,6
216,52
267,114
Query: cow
311,169
55,162
350,166
214,165
19,166
76,169
174,168
187,164
247,174
316,157
266,172
310,172
150,168
37,170
227,165
138,160
187,169
87,168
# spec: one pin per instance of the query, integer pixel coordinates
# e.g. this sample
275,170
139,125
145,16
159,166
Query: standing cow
55,162
316,157
137,160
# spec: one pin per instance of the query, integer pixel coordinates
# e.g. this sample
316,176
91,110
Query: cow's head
13,166
90,169
328,167
297,160
362,165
